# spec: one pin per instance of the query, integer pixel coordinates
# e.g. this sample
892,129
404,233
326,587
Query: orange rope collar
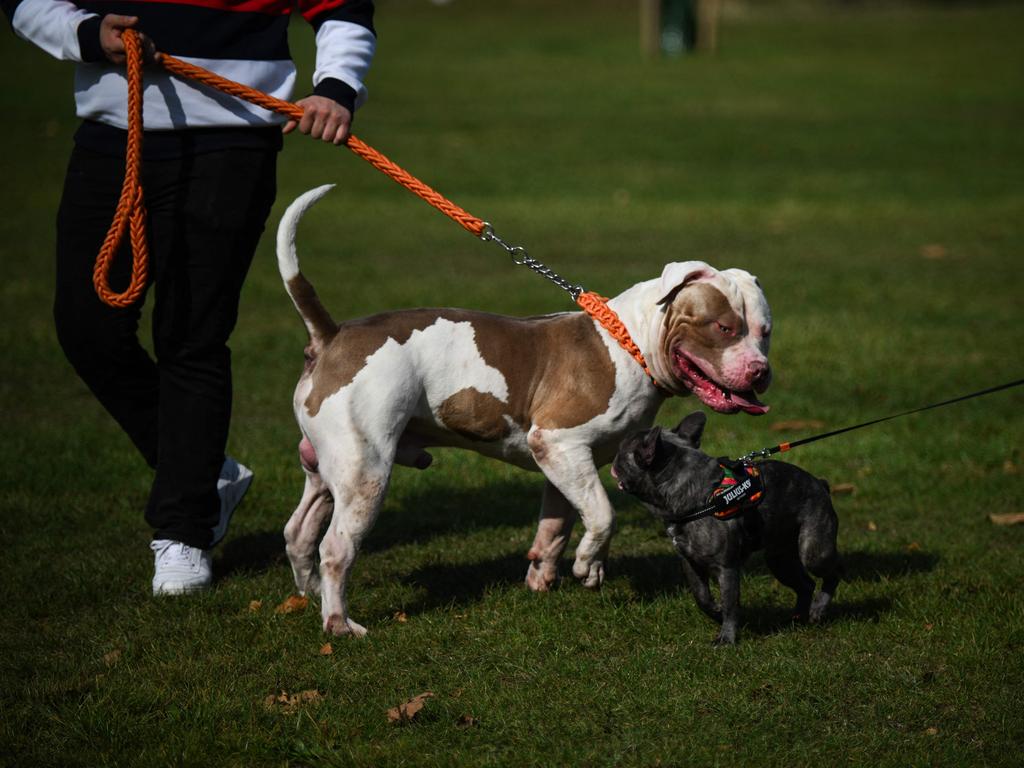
131,208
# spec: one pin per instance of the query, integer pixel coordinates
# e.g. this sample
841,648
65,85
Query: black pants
205,215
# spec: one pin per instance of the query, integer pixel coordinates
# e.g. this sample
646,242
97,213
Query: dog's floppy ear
680,274
691,428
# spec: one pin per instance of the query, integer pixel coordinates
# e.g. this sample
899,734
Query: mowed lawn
866,164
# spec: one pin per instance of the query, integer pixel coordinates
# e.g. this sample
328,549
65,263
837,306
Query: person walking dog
209,175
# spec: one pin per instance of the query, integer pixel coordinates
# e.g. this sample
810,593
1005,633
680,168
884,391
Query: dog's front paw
338,625
723,640
589,573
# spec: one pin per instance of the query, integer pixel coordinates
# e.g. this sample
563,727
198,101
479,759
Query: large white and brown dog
553,393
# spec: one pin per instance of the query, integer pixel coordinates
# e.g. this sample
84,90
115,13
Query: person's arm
67,32
345,44
60,28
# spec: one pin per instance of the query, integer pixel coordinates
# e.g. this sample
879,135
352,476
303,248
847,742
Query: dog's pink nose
760,374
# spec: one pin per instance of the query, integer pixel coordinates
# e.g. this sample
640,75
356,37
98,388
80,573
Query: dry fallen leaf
405,712
872,526
255,605
111,658
326,649
293,604
933,731
1009,468
844,489
466,721
929,627
934,251
400,617
1010,518
913,547
795,424
288,704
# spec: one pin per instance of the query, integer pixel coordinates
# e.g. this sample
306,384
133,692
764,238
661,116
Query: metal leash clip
519,256
764,453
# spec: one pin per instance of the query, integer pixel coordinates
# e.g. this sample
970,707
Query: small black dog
717,512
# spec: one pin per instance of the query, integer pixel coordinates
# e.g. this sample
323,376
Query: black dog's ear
691,428
648,450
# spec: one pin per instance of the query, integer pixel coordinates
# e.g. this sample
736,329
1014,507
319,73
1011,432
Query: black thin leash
764,453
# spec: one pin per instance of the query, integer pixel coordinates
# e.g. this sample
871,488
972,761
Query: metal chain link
753,456
519,256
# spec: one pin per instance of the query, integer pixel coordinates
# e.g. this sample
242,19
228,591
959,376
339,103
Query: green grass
821,149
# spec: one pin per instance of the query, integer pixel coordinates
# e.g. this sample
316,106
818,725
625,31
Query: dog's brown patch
353,343
558,370
692,320
310,308
475,415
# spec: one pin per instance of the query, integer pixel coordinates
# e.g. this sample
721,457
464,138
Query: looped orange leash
131,208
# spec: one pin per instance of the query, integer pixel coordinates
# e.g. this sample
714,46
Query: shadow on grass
660,576
761,620
446,585
415,519
657,575
251,552
860,565
443,511
418,516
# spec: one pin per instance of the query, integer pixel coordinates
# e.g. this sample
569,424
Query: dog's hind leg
829,575
358,487
822,559
557,516
786,566
817,543
303,530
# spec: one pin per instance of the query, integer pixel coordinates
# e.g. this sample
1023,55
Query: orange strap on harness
131,208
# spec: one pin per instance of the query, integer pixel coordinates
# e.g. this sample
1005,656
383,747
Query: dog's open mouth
710,392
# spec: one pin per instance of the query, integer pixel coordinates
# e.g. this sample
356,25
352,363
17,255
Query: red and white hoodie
244,40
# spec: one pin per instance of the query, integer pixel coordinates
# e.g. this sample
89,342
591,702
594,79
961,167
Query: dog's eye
726,329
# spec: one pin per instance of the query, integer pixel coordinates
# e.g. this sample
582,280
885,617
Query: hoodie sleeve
345,44
60,28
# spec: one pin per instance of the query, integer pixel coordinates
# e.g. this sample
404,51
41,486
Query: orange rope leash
131,210
361,148
130,207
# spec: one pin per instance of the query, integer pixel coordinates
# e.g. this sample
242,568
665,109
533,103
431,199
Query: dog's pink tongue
749,403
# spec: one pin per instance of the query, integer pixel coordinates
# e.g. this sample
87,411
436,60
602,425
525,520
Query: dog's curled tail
318,320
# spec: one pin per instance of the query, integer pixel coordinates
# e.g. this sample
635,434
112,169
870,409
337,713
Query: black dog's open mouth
710,392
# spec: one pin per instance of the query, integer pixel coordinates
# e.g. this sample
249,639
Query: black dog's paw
712,610
723,641
818,607
817,615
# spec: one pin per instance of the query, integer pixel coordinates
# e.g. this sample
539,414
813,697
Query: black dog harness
741,489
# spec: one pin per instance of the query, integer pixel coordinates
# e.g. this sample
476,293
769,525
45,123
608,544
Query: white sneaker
234,481
179,568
